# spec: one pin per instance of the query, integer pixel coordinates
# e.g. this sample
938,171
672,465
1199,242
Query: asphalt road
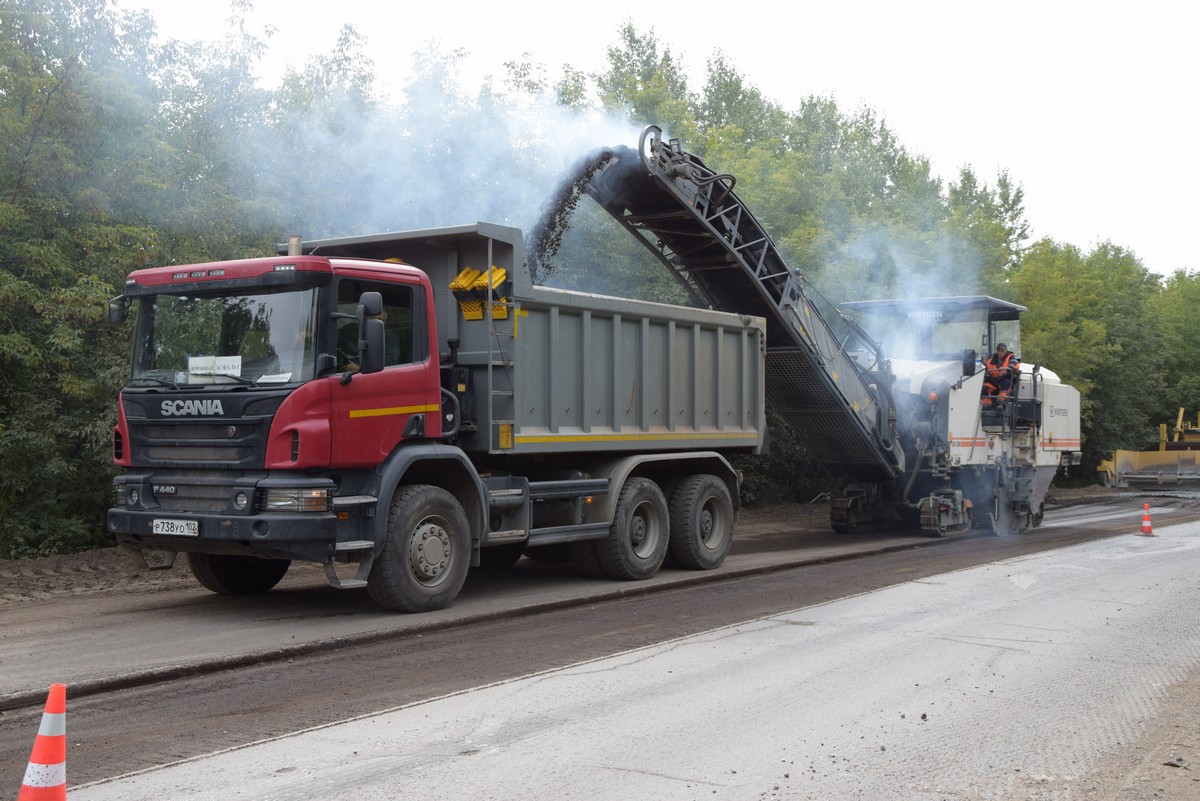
170,676
1004,681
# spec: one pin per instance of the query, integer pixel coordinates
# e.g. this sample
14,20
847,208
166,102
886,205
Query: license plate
177,528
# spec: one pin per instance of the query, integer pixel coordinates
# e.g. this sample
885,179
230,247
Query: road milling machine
892,402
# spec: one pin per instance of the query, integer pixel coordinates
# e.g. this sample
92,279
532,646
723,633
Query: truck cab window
400,344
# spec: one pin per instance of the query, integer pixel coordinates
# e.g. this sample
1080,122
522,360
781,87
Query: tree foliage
76,153
119,150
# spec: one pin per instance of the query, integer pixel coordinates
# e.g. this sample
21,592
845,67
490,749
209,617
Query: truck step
513,535
340,583
362,570
553,535
499,499
354,545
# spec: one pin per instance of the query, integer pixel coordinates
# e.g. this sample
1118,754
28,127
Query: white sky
1092,107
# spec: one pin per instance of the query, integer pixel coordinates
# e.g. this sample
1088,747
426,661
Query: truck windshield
260,339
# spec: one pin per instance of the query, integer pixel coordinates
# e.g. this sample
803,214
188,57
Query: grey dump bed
554,371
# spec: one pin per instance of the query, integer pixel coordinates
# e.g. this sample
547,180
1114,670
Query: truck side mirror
118,310
371,346
370,304
370,331
969,358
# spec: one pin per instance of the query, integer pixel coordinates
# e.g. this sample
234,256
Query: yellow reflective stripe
394,410
545,438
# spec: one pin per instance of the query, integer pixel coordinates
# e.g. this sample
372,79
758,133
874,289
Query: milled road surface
998,681
537,619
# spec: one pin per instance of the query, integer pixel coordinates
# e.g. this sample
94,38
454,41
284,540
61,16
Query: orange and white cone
1147,529
46,776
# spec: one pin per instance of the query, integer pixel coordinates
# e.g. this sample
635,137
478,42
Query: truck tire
701,522
637,540
427,554
236,575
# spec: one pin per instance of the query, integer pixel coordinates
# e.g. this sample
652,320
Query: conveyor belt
692,220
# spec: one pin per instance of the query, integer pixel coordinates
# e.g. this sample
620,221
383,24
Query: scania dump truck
401,407
893,404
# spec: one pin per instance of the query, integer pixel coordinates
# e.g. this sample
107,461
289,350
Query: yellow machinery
1171,462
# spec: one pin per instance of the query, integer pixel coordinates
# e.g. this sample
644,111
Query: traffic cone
1147,530
46,775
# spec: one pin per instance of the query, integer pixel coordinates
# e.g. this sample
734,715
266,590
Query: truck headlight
295,499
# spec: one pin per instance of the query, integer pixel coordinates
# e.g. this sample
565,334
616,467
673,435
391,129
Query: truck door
371,411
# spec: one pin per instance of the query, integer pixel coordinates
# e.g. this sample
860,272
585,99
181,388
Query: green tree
645,81
77,152
735,112
213,113
980,235
1175,316
1087,322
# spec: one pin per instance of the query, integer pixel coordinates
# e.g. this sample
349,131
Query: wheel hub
429,551
706,525
637,532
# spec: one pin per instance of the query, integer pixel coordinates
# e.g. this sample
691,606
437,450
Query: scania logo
180,408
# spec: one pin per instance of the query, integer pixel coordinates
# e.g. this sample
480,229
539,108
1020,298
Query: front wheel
427,554
236,575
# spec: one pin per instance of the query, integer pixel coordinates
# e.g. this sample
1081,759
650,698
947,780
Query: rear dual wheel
638,538
701,522
695,528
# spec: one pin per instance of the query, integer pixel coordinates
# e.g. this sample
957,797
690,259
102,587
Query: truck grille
193,493
234,440
228,443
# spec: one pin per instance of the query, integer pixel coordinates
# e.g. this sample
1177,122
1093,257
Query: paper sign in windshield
214,365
